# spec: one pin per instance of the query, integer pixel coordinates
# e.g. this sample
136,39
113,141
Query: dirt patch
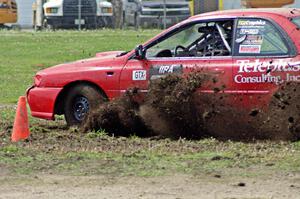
207,164
175,186
174,108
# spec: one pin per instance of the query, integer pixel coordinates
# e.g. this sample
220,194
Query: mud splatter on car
174,107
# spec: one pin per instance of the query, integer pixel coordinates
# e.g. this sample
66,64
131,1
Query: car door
262,55
169,54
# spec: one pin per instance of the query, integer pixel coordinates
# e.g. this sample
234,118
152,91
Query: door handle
110,73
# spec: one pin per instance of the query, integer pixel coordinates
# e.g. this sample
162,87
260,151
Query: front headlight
106,10
51,10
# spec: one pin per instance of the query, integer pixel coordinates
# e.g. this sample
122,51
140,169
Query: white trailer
77,13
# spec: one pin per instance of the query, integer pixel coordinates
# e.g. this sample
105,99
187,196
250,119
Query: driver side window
197,40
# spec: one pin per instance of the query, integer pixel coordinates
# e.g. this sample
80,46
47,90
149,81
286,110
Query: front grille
88,8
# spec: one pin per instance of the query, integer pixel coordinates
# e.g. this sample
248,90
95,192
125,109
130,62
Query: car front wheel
80,101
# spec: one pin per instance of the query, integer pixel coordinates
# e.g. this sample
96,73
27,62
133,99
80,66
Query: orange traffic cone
21,126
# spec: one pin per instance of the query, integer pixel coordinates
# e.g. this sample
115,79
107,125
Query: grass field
54,149
22,54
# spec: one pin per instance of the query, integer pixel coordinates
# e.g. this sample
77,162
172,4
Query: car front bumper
42,101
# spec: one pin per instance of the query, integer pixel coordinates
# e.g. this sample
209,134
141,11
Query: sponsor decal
250,34
249,31
249,49
139,75
264,71
292,78
158,71
252,22
253,40
263,78
280,65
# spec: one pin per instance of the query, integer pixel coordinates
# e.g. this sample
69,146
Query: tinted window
258,37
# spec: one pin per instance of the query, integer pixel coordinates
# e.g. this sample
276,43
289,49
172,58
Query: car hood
103,59
109,54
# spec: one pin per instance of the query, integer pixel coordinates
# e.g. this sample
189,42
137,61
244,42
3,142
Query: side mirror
139,52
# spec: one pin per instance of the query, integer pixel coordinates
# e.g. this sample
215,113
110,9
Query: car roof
285,12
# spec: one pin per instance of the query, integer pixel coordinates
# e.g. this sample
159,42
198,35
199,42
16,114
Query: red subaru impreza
250,52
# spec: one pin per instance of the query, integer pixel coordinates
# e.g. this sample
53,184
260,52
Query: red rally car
250,52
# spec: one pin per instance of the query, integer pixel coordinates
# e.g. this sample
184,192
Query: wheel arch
59,102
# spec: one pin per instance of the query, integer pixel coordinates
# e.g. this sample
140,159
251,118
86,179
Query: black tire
47,26
4,27
100,23
78,99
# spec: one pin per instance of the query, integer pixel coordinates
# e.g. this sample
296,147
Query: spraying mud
279,120
174,108
282,120
118,117
168,110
